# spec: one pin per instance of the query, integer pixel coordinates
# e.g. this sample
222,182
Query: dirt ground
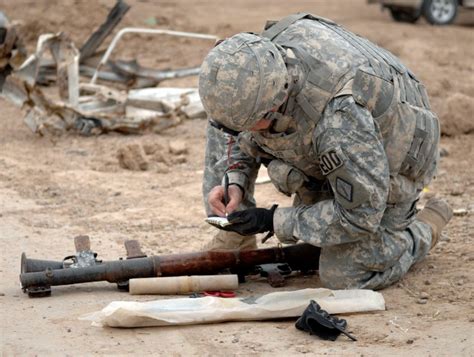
54,188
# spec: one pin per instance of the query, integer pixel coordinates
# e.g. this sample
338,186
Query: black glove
318,322
251,221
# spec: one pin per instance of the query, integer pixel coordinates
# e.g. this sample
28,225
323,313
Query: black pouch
318,322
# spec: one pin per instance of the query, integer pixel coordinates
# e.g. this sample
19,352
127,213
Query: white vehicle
436,12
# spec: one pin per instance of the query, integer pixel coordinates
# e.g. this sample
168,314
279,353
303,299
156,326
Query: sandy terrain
54,188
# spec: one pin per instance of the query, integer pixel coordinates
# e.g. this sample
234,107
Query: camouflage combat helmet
241,80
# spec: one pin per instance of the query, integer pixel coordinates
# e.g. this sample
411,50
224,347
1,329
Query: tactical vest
329,61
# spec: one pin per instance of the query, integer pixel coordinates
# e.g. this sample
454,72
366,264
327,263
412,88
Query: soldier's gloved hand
251,221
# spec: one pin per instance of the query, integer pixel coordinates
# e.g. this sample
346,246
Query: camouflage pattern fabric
215,165
242,79
366,242
358,127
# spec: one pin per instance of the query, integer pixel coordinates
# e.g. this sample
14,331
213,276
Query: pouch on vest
286,178
372,92
248,146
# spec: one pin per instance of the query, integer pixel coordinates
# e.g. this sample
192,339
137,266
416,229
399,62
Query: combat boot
437,213
224,240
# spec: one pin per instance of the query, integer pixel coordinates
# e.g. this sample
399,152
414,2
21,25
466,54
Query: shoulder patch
330,161
344,189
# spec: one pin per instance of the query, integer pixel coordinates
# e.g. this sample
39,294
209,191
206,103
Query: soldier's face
264,123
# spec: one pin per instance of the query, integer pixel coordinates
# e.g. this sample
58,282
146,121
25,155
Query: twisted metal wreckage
89,108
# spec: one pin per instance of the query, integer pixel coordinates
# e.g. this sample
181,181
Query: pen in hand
226,192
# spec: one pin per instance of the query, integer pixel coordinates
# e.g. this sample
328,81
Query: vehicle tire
405,15
440,12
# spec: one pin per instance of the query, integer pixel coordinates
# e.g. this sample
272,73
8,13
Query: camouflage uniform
355,142
217,161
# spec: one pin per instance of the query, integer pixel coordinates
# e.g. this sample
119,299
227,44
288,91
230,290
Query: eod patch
330,161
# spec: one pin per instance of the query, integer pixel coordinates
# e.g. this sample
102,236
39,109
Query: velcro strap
308,108
283,24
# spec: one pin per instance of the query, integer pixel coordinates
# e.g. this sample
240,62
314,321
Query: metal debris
89,108
115,15
124,31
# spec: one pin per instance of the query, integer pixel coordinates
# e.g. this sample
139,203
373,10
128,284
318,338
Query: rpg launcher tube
303,257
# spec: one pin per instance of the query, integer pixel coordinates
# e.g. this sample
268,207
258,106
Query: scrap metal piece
14,91
133,69
126,30
108,75
66,57
115,15
165,100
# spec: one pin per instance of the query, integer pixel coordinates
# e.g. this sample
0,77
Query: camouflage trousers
380,259
215,165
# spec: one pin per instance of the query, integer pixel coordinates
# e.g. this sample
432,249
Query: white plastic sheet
184,311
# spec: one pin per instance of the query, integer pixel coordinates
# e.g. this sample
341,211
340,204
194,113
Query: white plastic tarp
209,309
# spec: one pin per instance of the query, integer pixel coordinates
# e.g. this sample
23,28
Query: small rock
178,147
132,157
460,212
443,152
444,238
471,319
118,193
421,301
427,282
457,191
2,294
235,340
431,266
162,168
160,156
80,152
419,314
151,148
181,159
424,295
410,341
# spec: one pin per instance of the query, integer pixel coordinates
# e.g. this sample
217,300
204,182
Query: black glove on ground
318,322
251,221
